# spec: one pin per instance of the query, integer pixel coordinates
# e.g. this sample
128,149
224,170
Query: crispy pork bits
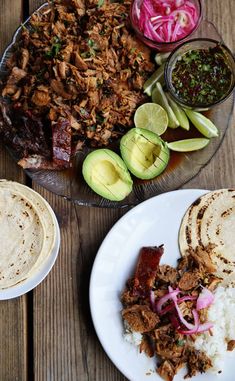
77,63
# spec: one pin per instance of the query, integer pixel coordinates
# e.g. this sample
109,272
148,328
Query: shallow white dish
151,223
28,284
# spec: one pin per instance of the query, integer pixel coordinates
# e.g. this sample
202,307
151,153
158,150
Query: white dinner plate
42,271
151,223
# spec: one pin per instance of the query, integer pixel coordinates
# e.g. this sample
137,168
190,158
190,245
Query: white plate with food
155,222
29,236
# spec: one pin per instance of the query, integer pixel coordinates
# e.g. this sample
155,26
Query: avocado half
106,173
146,155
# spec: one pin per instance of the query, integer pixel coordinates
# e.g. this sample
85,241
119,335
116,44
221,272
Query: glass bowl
197,44
161,46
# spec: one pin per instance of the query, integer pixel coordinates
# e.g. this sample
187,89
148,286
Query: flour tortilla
27,232
211,220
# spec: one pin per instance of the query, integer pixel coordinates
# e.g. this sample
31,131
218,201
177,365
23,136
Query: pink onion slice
202,328
182,319
195,327
205,299
165,299
171,306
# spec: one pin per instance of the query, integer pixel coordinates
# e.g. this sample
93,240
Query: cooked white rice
133,338
221,313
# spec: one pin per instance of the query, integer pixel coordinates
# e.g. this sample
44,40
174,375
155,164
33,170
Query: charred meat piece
203,259
231,345
166,370
146,269
146,346
30,134
140,318
36,162
12,83
167,273
61,138
167,342
189,280
197,362
127,297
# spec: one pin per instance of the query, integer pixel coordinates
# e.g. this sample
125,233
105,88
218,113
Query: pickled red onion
201,328
180,315
205,299
166,20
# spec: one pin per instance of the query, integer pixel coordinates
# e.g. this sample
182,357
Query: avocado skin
149,172
107,175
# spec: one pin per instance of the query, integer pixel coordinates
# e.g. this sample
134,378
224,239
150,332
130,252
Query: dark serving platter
182,167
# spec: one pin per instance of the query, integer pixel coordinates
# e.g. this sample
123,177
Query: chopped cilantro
55,48
90,43
100,3
180,343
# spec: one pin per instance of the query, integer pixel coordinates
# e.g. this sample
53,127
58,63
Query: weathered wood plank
13,329
10,19
65,345
34,4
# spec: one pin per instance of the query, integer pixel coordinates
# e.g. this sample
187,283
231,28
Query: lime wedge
188,145
161,58
159,97
202,124
157,76
179,113
152,117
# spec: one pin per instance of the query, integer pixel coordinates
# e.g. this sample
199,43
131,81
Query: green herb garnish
180,343
100,3
55,48
91,43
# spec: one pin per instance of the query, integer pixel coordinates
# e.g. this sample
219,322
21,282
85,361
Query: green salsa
201,77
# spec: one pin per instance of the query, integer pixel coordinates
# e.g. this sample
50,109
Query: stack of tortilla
27,233
210,220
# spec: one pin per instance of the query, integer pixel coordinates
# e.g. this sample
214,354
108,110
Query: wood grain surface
48,335
13,321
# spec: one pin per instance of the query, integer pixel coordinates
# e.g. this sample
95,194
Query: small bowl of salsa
200,73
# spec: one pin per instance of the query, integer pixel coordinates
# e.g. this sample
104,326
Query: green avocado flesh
106,173
146,155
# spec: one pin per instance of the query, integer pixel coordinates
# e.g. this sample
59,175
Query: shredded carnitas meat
74,80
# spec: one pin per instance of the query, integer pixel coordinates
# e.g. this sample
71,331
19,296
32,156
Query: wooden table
48,335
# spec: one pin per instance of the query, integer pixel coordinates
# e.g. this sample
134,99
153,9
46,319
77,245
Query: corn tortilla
27,232
211,220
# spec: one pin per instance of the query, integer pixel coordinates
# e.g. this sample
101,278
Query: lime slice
157,76
161,58
202,124
188,145
179,113
159,97
152,117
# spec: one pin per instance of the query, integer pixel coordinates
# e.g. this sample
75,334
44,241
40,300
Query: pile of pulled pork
74,80
168,306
